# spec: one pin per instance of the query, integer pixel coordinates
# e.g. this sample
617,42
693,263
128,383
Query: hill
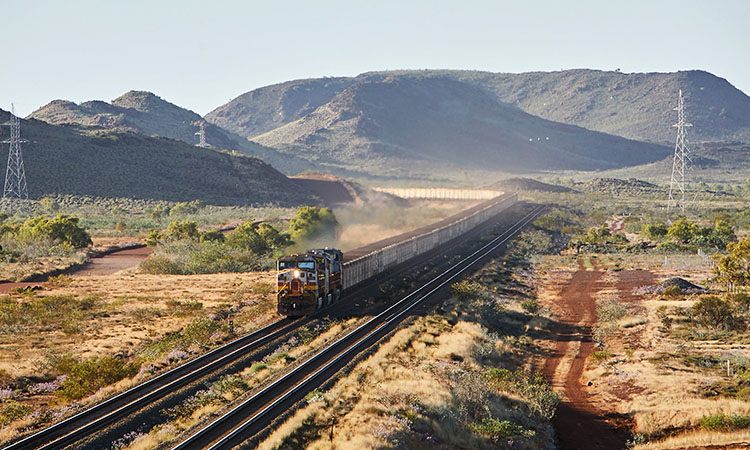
146,113
402,125
632,105
64,160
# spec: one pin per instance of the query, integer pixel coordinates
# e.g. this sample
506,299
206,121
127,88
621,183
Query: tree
179,229
735,266
313,222
654,231
62,229
682,230
246,237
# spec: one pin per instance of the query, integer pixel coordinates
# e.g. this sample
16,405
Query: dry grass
371,404
734,440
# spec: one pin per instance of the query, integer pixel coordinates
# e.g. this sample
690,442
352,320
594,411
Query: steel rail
114,408
138,397
223,434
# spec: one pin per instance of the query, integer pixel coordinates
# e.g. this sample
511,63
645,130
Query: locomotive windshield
294,264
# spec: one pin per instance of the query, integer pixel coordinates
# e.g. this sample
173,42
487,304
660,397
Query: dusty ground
643,384
135,308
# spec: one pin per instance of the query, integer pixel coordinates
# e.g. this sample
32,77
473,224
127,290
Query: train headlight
296,274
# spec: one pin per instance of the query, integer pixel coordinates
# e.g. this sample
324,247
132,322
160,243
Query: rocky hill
105,163
632,105
403,124
145,113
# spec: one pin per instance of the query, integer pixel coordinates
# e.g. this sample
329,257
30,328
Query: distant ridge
397,125
632,105
105,163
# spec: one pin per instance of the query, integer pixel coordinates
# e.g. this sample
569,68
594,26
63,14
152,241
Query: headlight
296,274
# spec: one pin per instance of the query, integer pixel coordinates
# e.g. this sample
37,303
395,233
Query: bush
530,306
311,222
496,430
61,229
654,231
84,377
735,267
725,422
49,205
183,208
467,290
713,312
11,410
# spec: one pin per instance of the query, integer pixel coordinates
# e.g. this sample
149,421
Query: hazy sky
201,54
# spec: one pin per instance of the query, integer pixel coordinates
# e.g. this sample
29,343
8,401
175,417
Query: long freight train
309,281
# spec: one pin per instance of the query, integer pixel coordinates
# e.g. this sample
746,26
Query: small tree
313,222
735,267
713,312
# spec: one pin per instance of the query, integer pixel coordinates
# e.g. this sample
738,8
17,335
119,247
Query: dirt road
99,265
578,424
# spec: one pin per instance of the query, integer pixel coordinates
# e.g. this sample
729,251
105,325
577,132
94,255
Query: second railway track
253,414
140,397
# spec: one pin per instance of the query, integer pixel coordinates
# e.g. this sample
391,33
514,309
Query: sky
202,54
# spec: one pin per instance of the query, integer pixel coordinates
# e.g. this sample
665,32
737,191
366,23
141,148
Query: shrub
183,208
725,422
12,410
496,430
160,265
530,306
84,377
61,229
311,222
654,231
178,229
467,290
711,311
49,205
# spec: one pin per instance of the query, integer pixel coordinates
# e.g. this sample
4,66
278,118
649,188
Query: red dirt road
577,423
98,265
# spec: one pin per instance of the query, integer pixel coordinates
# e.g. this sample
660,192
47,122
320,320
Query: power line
15,192
681,161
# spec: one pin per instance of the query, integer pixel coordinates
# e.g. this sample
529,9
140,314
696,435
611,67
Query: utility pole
681,161
202,135
15,192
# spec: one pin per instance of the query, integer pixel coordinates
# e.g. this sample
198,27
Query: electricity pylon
15,192
681,161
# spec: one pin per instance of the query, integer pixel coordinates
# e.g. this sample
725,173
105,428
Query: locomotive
308,281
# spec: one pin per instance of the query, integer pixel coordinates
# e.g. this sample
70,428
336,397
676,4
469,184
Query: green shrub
725,422
160,265
61,229
311,222
49,205
467,290
84,377
654,231
601,355
183,208
496,430
11,410
530,306
713,312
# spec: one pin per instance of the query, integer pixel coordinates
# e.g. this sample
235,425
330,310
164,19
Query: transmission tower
202,135
681,161
15,193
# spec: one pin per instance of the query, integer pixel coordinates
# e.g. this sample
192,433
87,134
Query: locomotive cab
308,281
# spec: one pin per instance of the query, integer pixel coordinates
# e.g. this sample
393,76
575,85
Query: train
309,281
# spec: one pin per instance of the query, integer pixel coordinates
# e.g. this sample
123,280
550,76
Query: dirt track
99,265
578,424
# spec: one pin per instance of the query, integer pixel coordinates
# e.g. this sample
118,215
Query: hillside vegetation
102,163
632,105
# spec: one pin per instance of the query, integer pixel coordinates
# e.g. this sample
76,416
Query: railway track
255,413
130,402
